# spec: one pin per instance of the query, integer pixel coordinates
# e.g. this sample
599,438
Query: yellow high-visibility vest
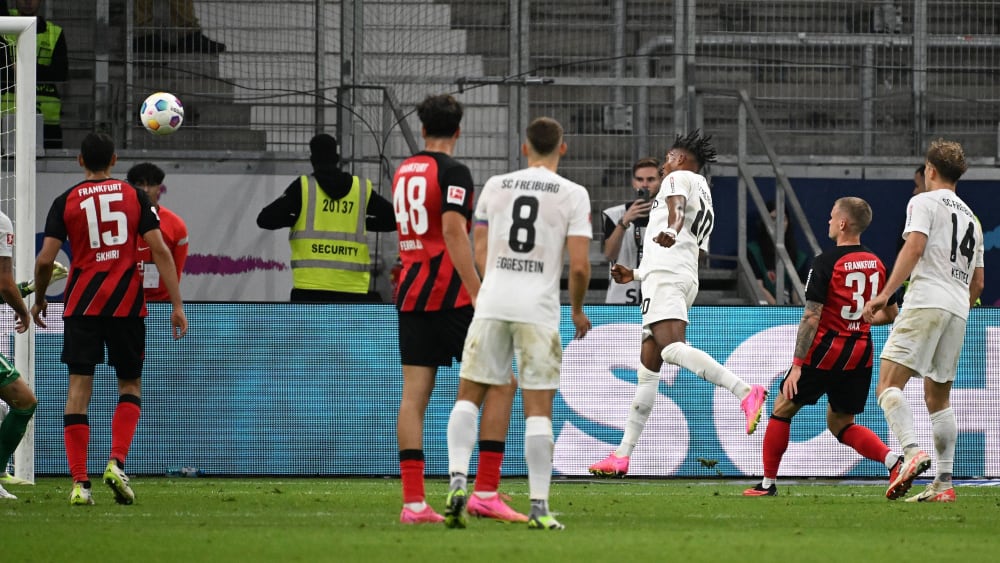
329,240
46,97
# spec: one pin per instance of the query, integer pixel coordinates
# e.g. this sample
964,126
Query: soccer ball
161,113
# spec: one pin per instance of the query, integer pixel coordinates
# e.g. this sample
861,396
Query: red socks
865,442
411,470
775,444
123,425
488,470
76,435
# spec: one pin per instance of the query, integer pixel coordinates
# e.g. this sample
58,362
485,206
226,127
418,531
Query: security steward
329,216
52,68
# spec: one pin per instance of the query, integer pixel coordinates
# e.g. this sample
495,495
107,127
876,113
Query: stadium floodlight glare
17,195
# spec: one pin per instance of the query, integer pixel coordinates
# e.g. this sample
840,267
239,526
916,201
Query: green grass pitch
632,520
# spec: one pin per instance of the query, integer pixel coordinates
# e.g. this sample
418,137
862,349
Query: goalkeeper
13,390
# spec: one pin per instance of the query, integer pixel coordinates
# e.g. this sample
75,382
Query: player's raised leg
670,335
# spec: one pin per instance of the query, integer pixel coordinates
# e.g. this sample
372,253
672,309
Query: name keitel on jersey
960,275
520,265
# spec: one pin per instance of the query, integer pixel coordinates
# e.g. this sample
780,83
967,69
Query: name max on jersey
334,249
101,189
860,265
530,186
520,265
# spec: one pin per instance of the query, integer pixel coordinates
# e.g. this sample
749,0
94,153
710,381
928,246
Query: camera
643,194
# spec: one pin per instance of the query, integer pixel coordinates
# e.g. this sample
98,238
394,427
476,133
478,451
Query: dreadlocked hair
698,145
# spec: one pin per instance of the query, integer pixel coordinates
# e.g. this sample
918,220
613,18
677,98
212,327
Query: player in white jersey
524,222
13,390
943,257
680,223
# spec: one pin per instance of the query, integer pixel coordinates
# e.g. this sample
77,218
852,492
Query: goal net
17,196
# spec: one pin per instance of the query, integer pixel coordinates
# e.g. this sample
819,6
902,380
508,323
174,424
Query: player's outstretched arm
164,261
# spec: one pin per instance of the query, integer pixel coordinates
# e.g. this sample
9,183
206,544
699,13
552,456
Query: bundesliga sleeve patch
456,195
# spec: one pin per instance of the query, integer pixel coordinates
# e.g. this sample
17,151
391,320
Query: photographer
625,228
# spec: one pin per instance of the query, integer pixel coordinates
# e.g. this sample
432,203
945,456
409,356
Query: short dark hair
97,149
544,135
440,115
698,145
145,174
648,162
858,211
948,158
920,169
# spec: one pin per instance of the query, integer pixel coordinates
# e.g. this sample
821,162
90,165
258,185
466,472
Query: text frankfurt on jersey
414,168
520,265
99,189
318,248
531,186
860,265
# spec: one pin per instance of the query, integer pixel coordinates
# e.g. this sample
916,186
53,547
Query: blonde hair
859,213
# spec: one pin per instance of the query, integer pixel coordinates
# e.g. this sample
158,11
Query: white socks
705,367
899,416
945,430
538,445
462,432
642,405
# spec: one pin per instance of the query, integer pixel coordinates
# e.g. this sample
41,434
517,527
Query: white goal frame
24,212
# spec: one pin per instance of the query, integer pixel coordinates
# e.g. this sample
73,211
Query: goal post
17,194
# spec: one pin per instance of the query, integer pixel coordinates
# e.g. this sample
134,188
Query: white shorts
666,297
490,347
928,341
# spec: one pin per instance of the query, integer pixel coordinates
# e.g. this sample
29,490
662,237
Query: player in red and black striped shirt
833,348
103,219
432,196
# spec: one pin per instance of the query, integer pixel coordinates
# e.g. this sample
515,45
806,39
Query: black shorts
84,339
846,390
433,338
